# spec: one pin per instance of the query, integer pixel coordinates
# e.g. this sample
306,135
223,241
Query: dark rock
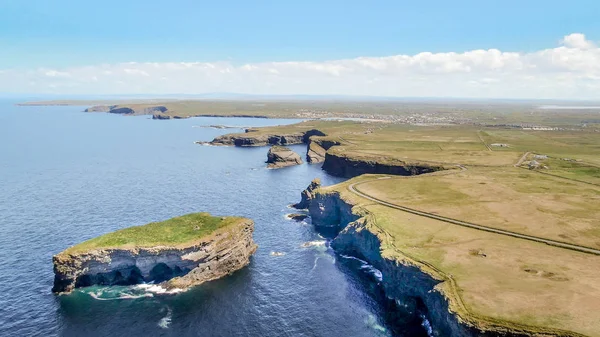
153,110
251,138
297,217
159,116
281,156
307,195
343,166
122,111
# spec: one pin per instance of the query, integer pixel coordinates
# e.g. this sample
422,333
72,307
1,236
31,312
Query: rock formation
160,116
297,217
249,139
317,148
180,266
130,110
281,156
342,165
307,195
100,108
254,138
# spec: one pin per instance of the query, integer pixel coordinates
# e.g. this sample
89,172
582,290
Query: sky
436,48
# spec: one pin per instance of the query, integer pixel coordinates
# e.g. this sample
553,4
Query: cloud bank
570,70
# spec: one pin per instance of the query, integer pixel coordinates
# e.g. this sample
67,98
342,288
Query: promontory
176,254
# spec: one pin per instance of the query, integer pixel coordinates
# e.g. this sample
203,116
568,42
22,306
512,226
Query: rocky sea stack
177,253
281,156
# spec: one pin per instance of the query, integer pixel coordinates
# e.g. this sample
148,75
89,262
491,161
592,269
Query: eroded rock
281,156
179,266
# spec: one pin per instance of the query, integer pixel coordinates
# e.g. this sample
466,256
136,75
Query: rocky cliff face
250,139
281,156
317,147
343,166
100,108
125,110
160,116
413,289
220,254
307,195
253,138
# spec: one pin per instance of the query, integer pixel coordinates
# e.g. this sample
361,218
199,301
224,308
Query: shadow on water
398,319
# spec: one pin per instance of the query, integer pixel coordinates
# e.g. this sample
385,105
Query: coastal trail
353,188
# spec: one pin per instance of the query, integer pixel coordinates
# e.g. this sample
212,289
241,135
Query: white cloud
577,40
55,73
132,71
570,70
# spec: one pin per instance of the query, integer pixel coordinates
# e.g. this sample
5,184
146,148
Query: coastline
360,236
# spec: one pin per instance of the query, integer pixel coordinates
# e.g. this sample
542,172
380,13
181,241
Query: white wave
353,258
322,255
166,321
427,325
371,322
373,271
156,289
316,243
366,266
315,264
99,295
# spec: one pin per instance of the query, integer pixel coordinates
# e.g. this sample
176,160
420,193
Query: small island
281,156
176,254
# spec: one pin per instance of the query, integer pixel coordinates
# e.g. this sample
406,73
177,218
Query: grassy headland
172,232
491,277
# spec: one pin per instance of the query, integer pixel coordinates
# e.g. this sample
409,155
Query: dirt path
522,159
483,141
352,188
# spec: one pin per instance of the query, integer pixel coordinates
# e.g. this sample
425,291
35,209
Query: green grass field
173,232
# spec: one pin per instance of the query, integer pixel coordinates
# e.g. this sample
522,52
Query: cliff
100,108
307,195
415,286
342,165
281,156
131,110
317,148
253,137
196,248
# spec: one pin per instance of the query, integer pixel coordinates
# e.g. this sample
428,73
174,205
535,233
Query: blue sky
61,34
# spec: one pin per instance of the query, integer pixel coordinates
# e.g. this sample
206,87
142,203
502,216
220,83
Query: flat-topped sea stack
177,253
281,156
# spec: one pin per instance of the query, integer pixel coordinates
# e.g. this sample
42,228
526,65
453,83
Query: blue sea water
67,176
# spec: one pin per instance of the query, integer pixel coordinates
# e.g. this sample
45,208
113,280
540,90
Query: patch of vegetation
171,232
